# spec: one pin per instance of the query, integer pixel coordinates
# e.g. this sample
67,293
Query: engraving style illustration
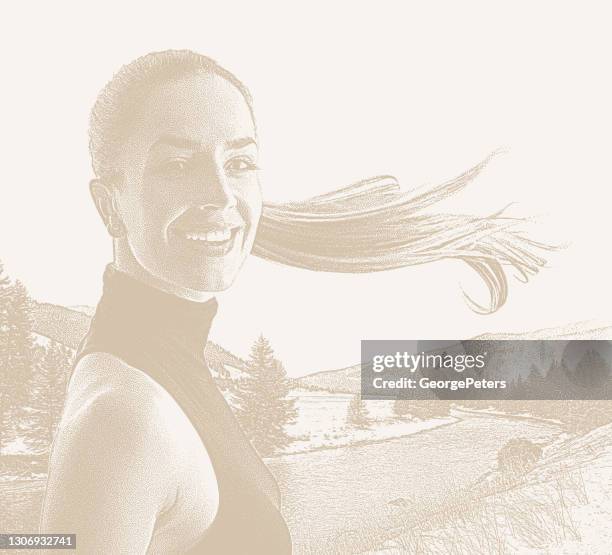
173,144
145,437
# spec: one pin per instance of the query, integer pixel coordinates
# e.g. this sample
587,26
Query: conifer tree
534,386
263,408
16,360
592,370
518,387
557,380
4,392
47,392
357,414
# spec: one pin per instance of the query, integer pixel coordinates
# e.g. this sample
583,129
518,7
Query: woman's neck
124,261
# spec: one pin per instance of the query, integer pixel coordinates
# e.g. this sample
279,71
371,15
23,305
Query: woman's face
191,200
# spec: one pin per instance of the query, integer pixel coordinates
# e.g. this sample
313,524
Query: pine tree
263,408
16,360
534,384
517,388
592,370
20,345
4,392
47,394
357,414
4,281
558,385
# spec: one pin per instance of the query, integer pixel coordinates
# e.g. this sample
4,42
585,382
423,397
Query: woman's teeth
211,236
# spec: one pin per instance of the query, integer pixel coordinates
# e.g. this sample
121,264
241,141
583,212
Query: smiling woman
148,456
186,130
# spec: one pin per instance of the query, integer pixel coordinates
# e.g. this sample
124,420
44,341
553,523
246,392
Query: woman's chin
208,282
192,282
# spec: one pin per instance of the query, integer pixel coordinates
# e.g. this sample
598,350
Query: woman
148,457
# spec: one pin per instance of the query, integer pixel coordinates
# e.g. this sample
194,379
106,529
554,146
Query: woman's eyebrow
184,142
240,143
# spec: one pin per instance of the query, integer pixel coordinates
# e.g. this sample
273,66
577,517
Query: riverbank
322,422
507,415
373,436
348,499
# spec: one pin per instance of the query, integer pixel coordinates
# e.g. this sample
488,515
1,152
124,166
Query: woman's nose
214,190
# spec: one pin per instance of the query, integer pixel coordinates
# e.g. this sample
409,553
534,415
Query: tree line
33,373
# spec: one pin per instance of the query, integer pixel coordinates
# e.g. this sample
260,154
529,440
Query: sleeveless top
164,336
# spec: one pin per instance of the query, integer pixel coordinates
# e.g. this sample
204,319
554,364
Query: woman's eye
240,165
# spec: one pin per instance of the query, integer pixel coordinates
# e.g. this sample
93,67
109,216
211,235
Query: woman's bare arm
109,474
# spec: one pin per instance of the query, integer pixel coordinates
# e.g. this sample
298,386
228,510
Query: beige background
341,92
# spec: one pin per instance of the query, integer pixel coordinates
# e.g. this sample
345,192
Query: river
332,498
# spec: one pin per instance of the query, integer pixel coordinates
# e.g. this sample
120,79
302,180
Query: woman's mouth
212,237
217,242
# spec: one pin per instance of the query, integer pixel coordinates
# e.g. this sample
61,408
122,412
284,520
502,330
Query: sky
342,91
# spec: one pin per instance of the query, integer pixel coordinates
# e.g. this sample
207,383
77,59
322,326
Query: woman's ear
102,195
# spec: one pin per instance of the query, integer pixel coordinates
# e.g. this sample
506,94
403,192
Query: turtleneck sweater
164,336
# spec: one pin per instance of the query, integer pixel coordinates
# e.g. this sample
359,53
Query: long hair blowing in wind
372,226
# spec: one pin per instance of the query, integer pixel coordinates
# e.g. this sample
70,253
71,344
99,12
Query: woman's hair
368,226
115,106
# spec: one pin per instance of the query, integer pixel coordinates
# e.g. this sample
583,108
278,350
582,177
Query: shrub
518,456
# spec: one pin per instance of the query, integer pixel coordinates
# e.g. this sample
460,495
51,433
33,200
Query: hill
348,380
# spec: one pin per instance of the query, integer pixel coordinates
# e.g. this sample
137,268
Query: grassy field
563,504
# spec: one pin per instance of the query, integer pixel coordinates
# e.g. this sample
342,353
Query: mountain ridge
68,325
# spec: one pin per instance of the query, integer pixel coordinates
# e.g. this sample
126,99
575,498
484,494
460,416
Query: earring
115,227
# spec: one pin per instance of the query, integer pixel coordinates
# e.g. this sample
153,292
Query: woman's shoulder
124,442
106,393
113,440
114,412
106,390
103,378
